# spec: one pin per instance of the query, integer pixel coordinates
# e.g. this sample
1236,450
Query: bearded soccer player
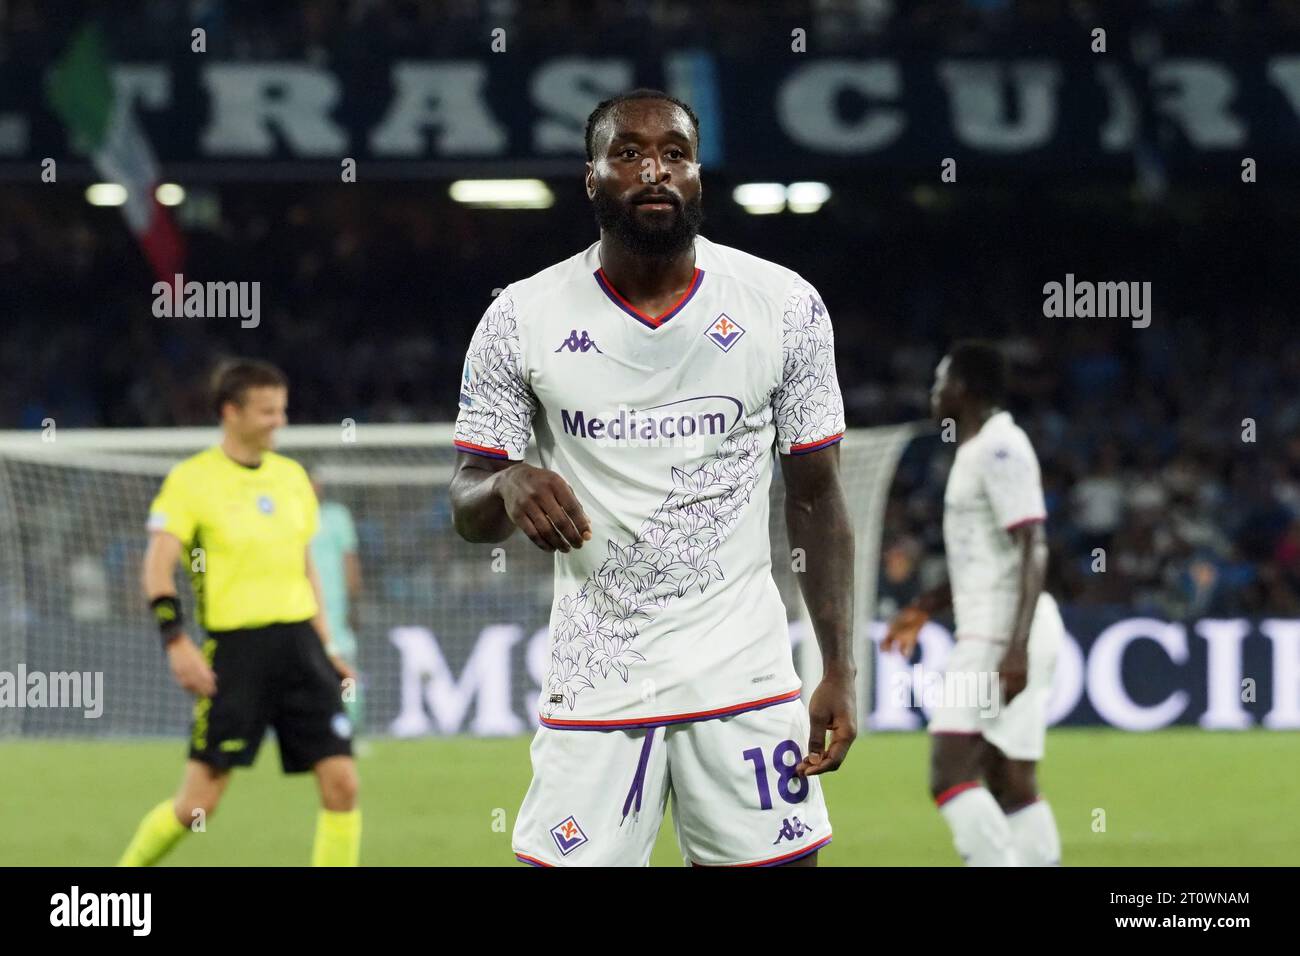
242,518
984,752
661,373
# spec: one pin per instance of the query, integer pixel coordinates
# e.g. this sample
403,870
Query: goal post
868,460
451,636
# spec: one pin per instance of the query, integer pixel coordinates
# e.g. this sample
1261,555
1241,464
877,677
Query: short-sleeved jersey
994,486
665,427
336,539
253,526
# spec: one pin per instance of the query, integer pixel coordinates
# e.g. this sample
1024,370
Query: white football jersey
994,486
665,427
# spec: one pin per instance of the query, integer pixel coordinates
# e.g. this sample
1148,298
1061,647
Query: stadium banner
482,676
1113,669
1132,672
1196,113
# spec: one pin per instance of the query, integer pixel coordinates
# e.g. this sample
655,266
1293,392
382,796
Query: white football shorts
598,796
972,700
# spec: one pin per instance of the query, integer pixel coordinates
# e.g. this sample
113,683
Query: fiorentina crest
724,332
568,836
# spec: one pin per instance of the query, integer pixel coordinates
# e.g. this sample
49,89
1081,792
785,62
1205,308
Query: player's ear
590,179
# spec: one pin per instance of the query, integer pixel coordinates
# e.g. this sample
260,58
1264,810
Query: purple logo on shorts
791,831
568,836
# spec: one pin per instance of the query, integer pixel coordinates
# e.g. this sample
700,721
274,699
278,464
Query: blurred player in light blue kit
334,551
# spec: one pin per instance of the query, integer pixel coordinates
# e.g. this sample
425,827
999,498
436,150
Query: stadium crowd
1175,448
329,31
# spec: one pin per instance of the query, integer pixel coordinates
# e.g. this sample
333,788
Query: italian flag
80,91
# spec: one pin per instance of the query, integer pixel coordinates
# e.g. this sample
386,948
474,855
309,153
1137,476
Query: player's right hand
542,505
191,668
904,630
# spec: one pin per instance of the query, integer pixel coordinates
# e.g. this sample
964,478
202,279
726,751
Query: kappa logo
724,332
574,343
792,828
568,836
265,504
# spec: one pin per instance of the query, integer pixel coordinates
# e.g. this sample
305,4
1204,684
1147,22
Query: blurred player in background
334,552
983,758
241,518
661,372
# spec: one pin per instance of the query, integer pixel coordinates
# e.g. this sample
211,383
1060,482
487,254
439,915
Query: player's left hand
1013,672
833,707
342,668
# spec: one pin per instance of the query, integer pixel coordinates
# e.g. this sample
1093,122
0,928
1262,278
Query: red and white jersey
665,428
994,486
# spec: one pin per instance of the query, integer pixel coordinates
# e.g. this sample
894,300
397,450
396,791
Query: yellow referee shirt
253,525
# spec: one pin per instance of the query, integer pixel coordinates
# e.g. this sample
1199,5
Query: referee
242,518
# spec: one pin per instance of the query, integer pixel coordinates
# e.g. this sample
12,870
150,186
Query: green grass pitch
1176,797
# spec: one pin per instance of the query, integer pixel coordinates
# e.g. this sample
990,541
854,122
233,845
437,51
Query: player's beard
654,240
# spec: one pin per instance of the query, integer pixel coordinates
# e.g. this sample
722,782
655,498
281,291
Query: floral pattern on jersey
807,405
673,552
496,404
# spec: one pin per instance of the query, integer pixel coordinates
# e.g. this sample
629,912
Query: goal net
451,636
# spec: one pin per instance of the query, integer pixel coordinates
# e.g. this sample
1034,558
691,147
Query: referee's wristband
167,613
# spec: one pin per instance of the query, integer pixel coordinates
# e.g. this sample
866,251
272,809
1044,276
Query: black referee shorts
277,676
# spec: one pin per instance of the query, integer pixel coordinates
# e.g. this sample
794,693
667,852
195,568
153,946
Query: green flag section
80,91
